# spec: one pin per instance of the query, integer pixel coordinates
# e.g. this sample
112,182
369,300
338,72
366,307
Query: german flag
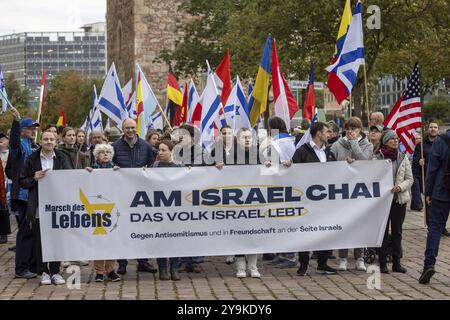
181,113
173,90
61,120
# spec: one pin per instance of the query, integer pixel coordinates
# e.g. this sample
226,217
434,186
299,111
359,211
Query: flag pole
350,106
164,114
215,86
6,99
423,182
367,94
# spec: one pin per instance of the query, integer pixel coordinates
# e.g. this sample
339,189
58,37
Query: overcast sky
49,15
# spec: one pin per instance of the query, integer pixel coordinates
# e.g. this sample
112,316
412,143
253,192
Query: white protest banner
203,211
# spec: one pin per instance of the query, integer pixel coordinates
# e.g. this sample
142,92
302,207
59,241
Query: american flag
406,115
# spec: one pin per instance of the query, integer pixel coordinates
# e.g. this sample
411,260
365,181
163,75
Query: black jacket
306,154
439,159
247,156
219,154
16,161
27,181
141,155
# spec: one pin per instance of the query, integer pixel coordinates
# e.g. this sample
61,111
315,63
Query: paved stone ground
218,280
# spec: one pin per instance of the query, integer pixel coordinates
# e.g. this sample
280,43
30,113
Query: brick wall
148,27
120,37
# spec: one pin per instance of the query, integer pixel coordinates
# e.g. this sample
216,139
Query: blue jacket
437,165
141,155
19,151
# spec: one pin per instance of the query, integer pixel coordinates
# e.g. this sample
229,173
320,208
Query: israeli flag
111,101
236,110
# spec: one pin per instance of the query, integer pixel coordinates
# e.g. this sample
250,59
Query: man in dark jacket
21,146
437,196
38,164
130,151
315,151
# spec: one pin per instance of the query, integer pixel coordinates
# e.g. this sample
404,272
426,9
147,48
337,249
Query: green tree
437,109
19,97
411,31
71,92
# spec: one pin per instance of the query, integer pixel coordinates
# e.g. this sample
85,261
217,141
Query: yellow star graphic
92,208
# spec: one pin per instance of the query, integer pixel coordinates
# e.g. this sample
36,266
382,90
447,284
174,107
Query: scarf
389,153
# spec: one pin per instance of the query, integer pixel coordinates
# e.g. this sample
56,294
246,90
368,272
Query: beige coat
404,180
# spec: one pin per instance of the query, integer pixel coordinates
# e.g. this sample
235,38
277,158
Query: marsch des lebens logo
95,212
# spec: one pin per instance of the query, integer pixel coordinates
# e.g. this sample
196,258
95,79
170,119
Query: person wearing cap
34,132
375,133
354,145
403,180
21,146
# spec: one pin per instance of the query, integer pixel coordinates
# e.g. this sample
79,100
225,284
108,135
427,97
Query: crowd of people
25,162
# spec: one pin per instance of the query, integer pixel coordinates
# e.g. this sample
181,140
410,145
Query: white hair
103,148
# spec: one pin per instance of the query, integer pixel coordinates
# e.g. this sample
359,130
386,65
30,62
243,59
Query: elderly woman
403,180
103,154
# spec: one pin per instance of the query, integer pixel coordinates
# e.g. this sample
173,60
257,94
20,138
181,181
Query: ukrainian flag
258,99
343,28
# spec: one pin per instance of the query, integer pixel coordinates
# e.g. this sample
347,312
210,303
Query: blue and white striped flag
156,121
236,108
211,104
111,101
344,69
